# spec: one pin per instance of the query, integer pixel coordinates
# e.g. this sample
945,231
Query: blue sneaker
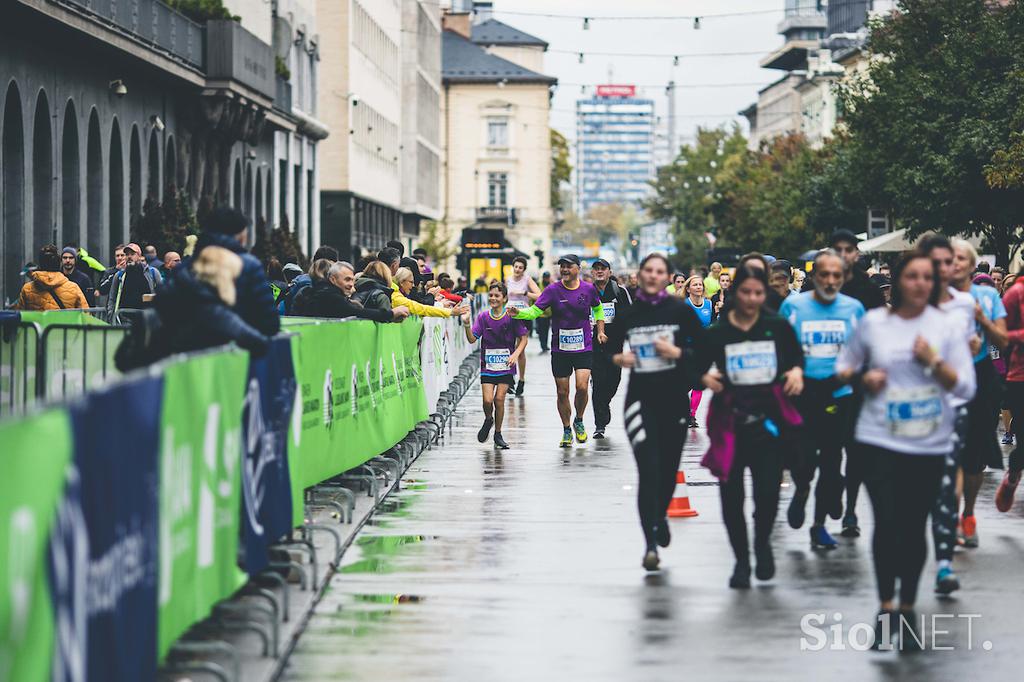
946,581
821,539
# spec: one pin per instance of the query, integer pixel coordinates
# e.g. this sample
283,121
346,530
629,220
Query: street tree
561,170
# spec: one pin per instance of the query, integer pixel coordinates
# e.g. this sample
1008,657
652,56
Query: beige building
496,106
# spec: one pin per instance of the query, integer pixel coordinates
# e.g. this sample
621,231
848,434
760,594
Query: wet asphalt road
525,564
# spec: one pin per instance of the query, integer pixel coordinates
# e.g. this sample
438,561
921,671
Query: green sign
200,483
35,455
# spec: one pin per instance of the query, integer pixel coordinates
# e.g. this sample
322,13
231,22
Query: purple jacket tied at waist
722,433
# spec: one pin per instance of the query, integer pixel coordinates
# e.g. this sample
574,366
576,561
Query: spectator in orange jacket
49,288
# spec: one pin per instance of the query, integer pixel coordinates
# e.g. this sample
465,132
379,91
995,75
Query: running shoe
765,561
651,560
662,534
1007,438
499,442
1006,490
581,430
796,512
520,388
692,422
850,527
946,581
485,430
599,433
821,538
740,579
566,441
970,526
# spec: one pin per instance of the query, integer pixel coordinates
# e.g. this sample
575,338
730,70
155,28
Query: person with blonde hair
373,286
402,286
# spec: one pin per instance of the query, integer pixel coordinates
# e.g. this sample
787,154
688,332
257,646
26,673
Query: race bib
496,359
751,363
822,338
913,412
641,342
516,306
570,339
609,312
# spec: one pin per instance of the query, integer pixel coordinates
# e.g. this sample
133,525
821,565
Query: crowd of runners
903,373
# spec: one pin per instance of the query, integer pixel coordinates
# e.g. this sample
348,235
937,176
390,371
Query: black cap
225,220
570,258
600,263
843,236
880,281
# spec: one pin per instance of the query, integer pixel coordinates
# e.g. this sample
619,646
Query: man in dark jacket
228,228
606,375
69,266
301,281
857,283
332,297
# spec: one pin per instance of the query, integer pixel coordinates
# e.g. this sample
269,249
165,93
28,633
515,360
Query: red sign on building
616,90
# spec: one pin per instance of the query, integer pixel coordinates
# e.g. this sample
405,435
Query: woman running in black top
753,351
661,330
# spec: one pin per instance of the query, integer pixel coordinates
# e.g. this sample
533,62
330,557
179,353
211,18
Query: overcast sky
707,106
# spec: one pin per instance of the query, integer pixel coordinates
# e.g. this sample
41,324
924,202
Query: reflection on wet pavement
525,564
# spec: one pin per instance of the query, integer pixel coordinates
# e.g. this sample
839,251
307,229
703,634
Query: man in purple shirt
572,302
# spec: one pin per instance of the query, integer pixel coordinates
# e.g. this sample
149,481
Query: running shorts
498,379
981,448
564,364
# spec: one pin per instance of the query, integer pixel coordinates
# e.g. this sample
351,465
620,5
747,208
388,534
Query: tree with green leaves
561,171
436,241
931,123
165,225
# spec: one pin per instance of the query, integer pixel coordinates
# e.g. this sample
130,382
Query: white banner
442,351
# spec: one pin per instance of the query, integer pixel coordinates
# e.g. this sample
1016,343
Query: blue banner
104,541
266,485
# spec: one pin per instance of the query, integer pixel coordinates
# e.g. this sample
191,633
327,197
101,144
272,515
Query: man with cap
133,283
855,281
571,301
229,229
69,266
606,375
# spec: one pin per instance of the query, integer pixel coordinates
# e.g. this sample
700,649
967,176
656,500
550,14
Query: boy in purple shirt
572,303
502,341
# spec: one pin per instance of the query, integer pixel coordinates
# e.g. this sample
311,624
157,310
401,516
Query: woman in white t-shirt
909,360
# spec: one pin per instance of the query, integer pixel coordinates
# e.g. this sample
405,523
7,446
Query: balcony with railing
150,22
496,214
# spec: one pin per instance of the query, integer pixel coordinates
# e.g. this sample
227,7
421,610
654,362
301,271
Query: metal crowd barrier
19,352
71,355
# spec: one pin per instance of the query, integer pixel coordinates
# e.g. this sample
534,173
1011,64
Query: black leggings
605,377
825,420
760,452
903,489
657,431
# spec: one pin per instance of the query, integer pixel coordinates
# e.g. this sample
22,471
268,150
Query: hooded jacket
40,292
415,307
255,299
373,295
327,300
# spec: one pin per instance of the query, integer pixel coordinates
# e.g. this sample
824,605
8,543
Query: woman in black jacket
373,289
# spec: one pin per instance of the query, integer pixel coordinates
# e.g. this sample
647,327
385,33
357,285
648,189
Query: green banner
76,359
200,483
360,391
35,455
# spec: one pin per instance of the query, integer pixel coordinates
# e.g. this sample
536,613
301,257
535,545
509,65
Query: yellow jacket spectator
402,285
49,288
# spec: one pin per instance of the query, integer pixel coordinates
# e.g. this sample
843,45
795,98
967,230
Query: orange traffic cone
680,504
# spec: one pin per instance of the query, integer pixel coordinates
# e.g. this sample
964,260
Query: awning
896,242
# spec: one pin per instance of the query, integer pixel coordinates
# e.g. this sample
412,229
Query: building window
497,132
497,190
878,222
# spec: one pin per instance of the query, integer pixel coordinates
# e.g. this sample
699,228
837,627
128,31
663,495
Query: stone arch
170,164
94,180
12,159
42,174
134,177
153,164
115,188
70,176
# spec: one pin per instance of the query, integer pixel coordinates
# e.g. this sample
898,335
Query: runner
823,319
502,341
907,359
1013,300
522,291
660,330
719,299
695,298
750,415
571,302
606,374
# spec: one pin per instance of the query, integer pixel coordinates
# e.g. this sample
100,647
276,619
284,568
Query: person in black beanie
228,228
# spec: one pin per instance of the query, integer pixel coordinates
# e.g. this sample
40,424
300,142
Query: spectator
402,287
48,288
291,271
332,297
171,261
317,274
373,288
132,284
69,266
445,282
152,258
304,280
397,246
462,286
108,276
227,228
390,257
421,257
275,273
194,311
